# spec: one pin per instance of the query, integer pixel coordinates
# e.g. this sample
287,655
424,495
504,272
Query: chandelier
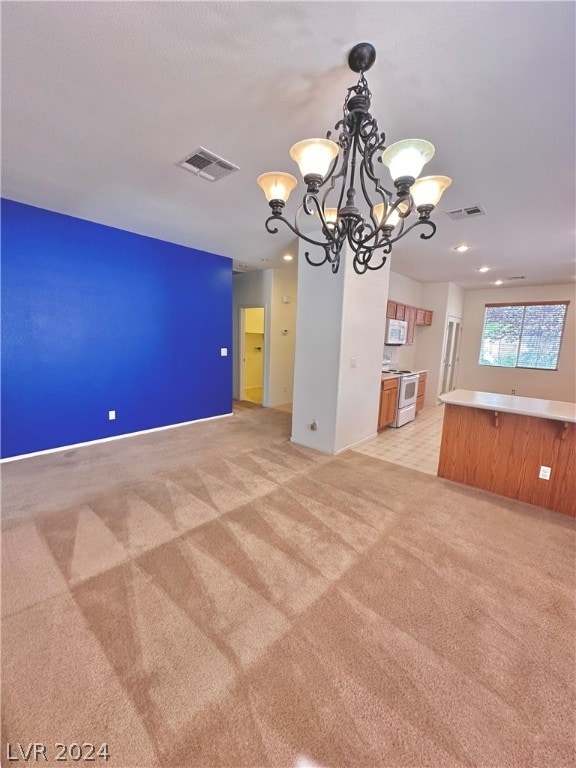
340,167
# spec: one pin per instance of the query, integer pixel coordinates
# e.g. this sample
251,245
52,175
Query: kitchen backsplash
401,357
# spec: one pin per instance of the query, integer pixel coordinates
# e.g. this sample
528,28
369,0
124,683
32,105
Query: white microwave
396,332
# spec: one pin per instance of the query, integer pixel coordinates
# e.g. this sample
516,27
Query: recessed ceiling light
462,248
498,282
483,269
287,257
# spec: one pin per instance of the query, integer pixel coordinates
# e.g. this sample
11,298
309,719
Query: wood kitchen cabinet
424,316
421,392
410,317
388,402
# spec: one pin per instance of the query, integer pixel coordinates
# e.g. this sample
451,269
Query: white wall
431,337
551,385
339,342
283,304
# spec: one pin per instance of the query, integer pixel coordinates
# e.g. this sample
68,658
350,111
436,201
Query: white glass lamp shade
393,216
407,157
277,185
331,215
314,156
429,189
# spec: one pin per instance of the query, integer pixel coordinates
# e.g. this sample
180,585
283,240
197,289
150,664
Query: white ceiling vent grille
207,165
466,213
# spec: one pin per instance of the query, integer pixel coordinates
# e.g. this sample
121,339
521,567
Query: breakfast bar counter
520,447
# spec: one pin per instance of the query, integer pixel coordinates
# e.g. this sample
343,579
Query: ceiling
100,101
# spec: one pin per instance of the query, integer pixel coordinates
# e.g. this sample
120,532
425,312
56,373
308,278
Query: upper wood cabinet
412,315
424,317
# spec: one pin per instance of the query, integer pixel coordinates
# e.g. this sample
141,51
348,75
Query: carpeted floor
216,596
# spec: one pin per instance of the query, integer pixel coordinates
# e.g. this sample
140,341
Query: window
523,335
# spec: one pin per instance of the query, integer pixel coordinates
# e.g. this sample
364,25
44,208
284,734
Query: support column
340,327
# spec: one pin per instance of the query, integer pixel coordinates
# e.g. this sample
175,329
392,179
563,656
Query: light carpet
217,596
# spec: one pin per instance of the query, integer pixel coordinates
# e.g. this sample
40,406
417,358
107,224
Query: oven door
408,391
405,415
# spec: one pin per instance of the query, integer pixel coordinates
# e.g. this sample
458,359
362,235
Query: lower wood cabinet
421,392
388,402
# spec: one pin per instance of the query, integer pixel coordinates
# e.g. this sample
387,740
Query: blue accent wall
97,319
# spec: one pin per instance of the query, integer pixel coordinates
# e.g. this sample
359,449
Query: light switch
223,351
111,415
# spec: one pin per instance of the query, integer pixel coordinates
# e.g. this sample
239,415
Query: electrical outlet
513,392
223,351
545,473
314,425
352,362
111,415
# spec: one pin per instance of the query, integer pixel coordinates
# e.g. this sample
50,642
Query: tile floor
415,445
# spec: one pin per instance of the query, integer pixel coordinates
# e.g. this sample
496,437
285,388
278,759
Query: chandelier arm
365,171
418,223
274,230
327,258
329,232
337,176
363,257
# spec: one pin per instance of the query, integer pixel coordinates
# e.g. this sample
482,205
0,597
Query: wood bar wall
503,453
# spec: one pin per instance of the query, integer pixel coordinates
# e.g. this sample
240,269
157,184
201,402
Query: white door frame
451,353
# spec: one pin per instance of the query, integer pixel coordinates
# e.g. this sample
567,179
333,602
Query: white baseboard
358,442
109,439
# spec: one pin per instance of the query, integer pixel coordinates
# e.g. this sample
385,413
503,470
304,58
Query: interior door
450,358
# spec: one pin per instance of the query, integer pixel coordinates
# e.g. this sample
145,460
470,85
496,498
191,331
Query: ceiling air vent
466,213
207,165
517,277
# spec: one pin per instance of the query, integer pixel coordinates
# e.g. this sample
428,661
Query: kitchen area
402,390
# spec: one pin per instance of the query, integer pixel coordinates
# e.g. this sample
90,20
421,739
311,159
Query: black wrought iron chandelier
343,164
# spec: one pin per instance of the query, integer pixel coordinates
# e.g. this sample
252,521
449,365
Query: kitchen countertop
523,406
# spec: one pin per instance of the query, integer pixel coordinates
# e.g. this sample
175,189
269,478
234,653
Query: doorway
450,357
252,354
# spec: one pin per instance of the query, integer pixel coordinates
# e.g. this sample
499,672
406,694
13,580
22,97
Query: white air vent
466,213
207,165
